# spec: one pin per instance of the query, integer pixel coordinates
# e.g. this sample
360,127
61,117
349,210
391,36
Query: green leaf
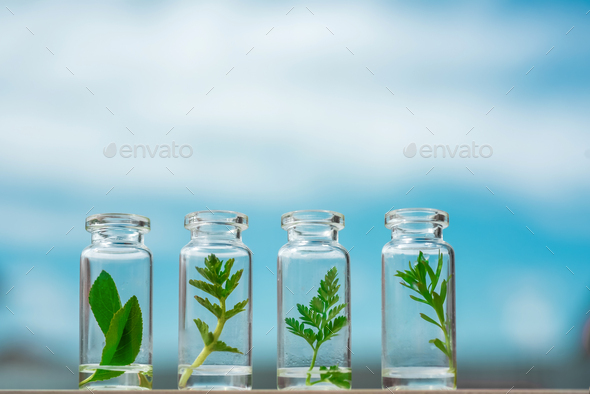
419,299
211,307
214,290
299,329
443,291
428,319
334,376
227,269
326,321
439,266
422,279
123,341
335,311
232,283
439,344
122,346
331,329
239,307
309,316
220,346
204,330
210,275
104,300
317,305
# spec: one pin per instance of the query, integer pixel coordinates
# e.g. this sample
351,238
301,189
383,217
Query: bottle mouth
312,217
129,221
403,216
227,218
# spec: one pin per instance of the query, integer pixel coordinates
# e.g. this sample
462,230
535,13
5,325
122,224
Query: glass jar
418,302
116,304
313,274
215,327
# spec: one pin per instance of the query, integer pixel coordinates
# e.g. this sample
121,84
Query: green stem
450,350
315,355
207,350
88,379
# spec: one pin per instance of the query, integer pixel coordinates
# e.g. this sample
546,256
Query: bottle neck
312,232
417,231
220,232
117,236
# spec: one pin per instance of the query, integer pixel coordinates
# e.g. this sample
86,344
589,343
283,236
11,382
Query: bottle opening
227,218
312,217
415,217
123,221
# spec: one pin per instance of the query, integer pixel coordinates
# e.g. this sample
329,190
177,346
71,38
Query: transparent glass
215,317
418,337
116,304
313,273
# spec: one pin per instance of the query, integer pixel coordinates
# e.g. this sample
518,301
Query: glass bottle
313,286
418,302
116,304
215,317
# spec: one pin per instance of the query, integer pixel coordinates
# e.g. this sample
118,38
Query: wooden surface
478,391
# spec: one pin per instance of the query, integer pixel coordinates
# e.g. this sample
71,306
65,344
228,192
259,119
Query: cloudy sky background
315,116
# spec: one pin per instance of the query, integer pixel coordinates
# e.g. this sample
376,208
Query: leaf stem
207,350
315,355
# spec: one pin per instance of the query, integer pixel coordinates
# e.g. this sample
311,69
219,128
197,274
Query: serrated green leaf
204,330
239,307
122,341
317,305
214,290
127,344
335,311
211,307
232,283
104,300
221,346
326,321
227,269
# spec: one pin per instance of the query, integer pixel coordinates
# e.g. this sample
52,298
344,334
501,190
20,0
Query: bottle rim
228,218
416,215
312,216
100,221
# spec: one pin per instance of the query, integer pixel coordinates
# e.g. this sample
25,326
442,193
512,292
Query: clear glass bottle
116,304
418,302
313,274
215,327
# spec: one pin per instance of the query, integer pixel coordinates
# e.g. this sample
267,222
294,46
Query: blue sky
315,116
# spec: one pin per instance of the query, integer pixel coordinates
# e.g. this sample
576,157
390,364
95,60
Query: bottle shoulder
395,246
294,248
212,247
99,248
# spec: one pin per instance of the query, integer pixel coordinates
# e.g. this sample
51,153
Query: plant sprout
219,285
416,279
122,327
327,322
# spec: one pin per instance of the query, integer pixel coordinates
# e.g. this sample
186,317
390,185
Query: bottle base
418,378
217,378
128,377
300,379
